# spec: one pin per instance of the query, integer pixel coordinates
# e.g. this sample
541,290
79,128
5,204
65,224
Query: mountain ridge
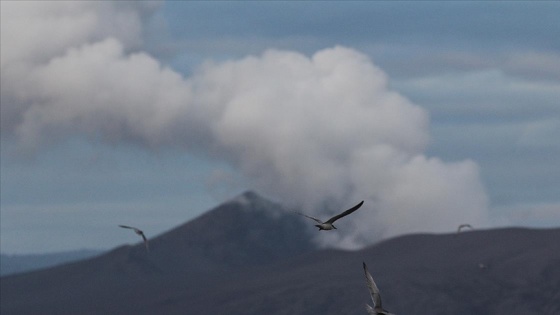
19,263
251,256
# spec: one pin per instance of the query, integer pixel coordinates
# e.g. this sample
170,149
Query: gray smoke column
319,132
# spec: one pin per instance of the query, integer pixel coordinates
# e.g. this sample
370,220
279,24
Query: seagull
328,225
463,226
139,232
375,297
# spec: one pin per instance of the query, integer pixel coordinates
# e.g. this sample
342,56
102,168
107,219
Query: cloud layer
319,132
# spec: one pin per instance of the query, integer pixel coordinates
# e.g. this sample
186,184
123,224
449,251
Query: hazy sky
150,113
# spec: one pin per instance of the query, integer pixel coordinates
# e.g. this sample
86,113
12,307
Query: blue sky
150,114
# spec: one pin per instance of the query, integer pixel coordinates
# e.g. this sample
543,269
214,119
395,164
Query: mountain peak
246,230
252,201
249,196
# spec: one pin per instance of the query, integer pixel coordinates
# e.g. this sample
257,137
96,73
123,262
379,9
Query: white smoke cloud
319,132
35,31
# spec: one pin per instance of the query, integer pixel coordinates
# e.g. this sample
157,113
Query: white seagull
328,225
464,226
375,297
139,232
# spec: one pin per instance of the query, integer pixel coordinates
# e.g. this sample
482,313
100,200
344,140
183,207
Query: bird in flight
464,226
139,232
328,225
375,297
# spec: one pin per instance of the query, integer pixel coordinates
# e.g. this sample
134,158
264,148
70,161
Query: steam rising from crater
319,132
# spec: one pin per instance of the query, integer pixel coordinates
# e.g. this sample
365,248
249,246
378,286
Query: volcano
253,256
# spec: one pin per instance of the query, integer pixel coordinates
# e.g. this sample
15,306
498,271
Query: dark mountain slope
248,230
503,271
417,274
242,233
249,256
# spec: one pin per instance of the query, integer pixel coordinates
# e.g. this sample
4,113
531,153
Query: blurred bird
139,232
375,296
464,226
328,225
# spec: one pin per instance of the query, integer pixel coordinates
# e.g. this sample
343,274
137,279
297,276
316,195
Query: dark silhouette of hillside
12,264
251,256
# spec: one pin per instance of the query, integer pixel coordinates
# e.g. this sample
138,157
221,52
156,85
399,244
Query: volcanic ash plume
319,132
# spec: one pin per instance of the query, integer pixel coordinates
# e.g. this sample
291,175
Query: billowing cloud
319,132
35,31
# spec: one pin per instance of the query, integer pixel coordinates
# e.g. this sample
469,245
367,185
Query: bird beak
334,227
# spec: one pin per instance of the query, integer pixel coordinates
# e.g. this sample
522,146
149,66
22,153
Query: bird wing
463,226
144,237
145,242
370,310
345,213
373,290
312,218
137,230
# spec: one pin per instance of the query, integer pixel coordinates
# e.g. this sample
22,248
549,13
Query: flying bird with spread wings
464,226
139,232
375,296
328,225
